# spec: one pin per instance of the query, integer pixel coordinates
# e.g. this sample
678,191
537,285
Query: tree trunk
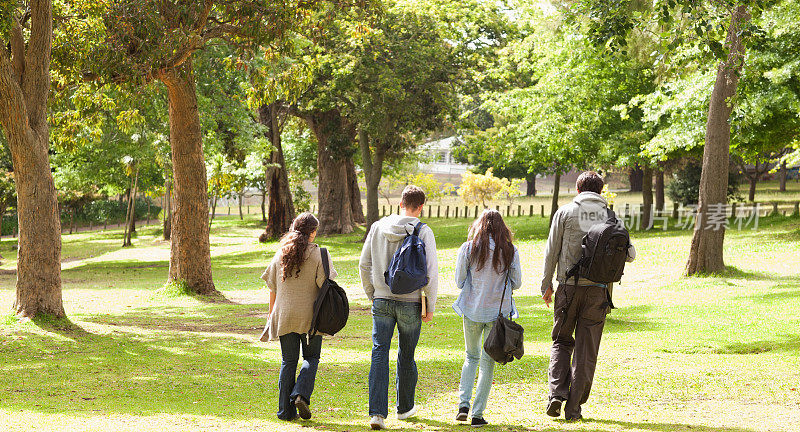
264,205
530,188
705,254
753,180
782,174
333,194
131,210
635,177
355,193
554,202
213,207
190,257
167,209
647,198
281,208
373,170
659,186
25,86
241,215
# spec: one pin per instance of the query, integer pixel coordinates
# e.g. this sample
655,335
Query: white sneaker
410,413
376,423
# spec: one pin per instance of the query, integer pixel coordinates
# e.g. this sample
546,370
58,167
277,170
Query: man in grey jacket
581,308
401,310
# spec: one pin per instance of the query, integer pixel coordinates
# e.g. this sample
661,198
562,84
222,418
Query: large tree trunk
530,188
355,193
281,208
659,189
333,194
190,258
705,254
635,177
167,209
264,205
554,201
782,177
647,198
373,171
24,88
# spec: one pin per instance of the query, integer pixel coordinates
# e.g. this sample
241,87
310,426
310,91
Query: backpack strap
610,213
418,228
324,254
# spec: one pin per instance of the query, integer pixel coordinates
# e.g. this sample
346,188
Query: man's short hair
413,197
589,181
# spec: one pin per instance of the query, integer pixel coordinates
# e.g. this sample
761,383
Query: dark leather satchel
505,340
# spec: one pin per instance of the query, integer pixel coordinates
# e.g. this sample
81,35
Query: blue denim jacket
479,299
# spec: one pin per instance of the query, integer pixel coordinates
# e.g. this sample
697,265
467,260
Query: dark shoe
462,414
478,422
574,418
302,408
554,407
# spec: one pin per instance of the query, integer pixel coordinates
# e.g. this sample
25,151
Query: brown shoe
302,408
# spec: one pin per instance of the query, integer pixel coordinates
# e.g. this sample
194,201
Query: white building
442,163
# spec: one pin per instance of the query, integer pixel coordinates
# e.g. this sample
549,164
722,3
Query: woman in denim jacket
486,263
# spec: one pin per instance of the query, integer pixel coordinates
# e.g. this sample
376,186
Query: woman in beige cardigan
294,277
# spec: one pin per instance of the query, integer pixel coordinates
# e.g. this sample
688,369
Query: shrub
685,185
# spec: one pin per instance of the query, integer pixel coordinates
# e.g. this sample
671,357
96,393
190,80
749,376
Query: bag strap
502,297
418,228
324,254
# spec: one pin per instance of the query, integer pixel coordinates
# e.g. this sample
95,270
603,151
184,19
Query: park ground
679,354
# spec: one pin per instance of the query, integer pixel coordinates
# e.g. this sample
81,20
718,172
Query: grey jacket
382,242
570,223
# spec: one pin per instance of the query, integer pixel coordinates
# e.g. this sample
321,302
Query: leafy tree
480,188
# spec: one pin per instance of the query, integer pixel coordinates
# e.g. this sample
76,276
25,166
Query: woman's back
482,285
295,295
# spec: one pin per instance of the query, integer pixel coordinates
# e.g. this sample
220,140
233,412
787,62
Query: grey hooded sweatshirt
382,242
564,245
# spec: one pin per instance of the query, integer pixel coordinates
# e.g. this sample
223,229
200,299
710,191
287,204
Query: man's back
381,243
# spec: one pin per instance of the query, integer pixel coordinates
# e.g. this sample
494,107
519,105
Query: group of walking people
488,270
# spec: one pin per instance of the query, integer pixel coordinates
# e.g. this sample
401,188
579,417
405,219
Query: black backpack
605,250
331,308
408,269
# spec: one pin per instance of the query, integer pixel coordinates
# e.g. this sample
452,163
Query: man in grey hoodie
579,309
401,310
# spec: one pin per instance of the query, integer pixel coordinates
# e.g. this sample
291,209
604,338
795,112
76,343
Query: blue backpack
408,270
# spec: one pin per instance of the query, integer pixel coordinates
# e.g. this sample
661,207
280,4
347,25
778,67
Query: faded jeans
289,387
473,342
386,314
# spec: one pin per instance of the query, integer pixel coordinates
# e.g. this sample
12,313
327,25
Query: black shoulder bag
505,340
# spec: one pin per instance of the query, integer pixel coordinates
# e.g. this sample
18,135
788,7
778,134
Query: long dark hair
295,242
490,226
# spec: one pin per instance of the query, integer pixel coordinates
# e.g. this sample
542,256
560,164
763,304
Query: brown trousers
580,310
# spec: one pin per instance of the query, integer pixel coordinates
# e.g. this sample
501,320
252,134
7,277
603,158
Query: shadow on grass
667,427
786,343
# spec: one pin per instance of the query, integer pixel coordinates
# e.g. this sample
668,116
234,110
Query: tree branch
17,51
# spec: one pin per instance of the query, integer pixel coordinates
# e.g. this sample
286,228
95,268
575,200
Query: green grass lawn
680,354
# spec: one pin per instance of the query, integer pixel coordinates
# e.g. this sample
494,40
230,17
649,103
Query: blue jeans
288,387
385,315
473,342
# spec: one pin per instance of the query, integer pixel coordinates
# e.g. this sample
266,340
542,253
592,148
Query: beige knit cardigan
294,297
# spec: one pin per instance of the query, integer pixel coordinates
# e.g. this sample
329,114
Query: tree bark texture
335,215
355,193
281,208
530,188
705,253
635,177
659,190
190,258
24,89
647,198
372,163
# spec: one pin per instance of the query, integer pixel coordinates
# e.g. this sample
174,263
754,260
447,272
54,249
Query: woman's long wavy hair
490,226
295,242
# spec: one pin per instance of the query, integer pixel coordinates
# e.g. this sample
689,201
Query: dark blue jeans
407,317
303,386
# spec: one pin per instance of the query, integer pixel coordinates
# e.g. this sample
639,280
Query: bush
300,196
685,185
